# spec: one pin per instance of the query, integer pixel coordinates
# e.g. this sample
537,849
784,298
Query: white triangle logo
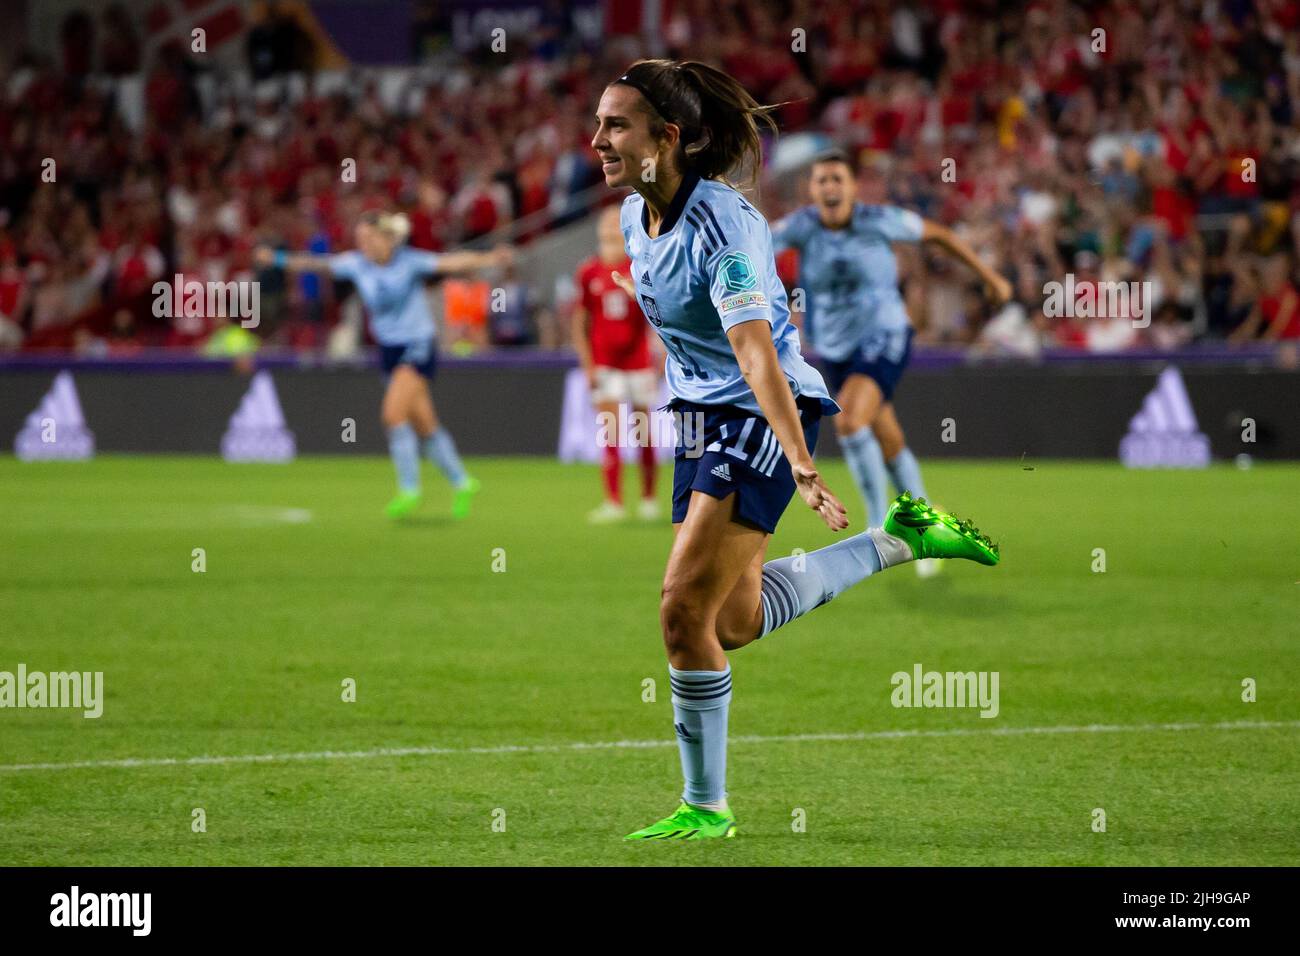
57,429
257,430
1164,433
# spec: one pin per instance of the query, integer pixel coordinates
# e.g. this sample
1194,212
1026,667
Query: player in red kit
609,333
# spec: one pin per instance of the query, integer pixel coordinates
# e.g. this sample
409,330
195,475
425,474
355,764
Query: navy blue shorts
420,355
869,360
741,455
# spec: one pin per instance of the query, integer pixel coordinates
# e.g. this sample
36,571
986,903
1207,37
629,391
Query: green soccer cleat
933,534
689,823
464,497
403,504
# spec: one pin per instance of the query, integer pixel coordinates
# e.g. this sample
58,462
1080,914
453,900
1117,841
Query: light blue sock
700,702
867,465
406,456
795,585
441,450
906,472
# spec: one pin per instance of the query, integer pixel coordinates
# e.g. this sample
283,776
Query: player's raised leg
860,400
904,469
771,594
439,447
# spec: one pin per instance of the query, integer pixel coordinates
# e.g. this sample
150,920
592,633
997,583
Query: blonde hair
395,225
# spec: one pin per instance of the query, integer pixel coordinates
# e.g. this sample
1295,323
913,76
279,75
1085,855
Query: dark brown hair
717,116
834,155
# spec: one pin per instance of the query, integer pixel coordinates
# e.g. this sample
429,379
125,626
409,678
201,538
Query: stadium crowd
1155,141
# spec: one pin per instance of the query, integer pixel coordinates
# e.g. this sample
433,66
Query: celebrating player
704,273
388,276
856,320
610,337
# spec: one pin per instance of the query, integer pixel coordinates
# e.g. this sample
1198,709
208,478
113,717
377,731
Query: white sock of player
406,458
700,703
795,585
441,450
867,465
906,472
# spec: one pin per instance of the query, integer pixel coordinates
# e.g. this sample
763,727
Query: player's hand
999,291
819,498
263,256
502,256
624,283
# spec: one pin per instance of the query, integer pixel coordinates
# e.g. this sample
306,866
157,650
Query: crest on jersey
651,310
736,272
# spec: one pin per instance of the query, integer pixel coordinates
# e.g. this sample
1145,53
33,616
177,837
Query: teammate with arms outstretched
389,277
704,272
856,320
609,334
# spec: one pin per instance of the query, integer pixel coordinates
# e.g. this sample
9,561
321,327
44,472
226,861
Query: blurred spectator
1019,327
510,316
119,49
465,310
1171,157
1276,313
1168,331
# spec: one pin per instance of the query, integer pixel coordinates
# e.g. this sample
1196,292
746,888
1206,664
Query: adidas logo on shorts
722,471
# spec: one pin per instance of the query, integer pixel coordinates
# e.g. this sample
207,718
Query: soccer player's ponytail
717,116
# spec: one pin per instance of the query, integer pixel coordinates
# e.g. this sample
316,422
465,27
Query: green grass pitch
307,584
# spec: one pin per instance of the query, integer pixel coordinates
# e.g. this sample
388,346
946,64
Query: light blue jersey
850,277
393,292
711,268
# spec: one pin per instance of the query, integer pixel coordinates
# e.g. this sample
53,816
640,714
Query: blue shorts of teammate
871,360
740,455
420,355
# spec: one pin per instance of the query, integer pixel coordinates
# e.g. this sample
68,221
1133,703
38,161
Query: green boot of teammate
689,823
403,504
464,497
933,534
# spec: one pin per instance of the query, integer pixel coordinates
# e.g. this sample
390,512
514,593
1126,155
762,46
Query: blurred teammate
389,277
857,323
704,272
609,333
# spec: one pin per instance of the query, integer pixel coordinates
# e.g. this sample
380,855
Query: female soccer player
704,272
610,338
388,276
856,320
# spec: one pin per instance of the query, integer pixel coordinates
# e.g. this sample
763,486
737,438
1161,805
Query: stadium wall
513,406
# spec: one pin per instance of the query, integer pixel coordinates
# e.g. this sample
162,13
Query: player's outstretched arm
752,343
467,261
999,288
291,261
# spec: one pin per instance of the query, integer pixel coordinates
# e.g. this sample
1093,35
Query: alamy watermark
639,429
1086,299
226,300
75,908
922,688
78,689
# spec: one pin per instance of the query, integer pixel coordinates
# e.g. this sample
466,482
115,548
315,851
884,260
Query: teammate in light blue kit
856,320
703,271
389,277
